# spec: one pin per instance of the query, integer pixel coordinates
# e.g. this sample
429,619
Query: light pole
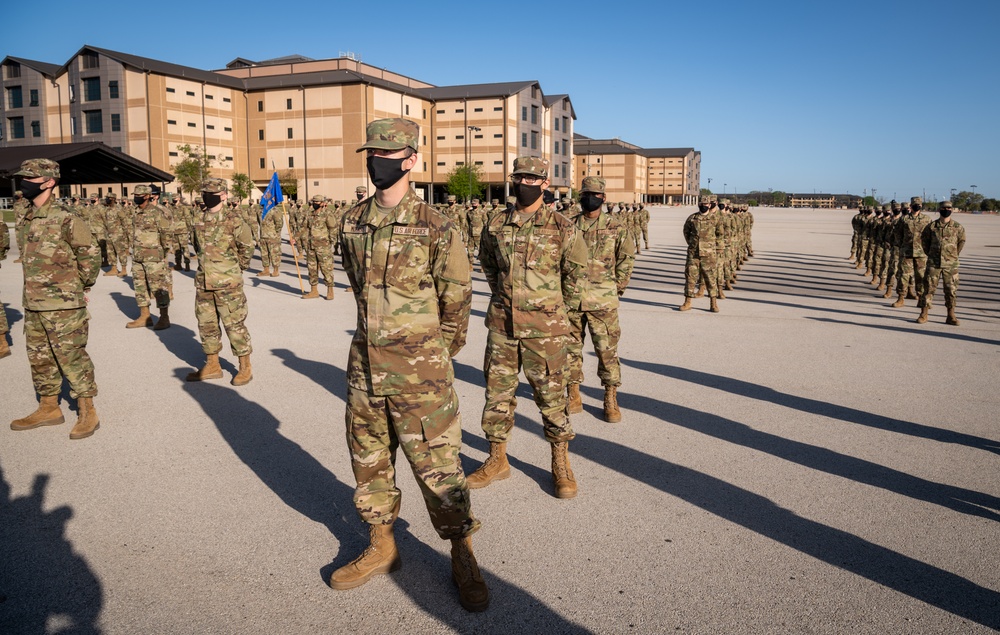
724,188
468,161
709,184
952,198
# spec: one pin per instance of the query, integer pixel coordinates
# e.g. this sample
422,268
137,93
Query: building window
260,135
291,162
72,125
116,122
498,135
113,89
556,123
211,157
33,97
171,122
227,129
459,111
288,104
173,154
424,111
478,136
565,124
209,97
557,147
289,133
478,162
565,147
95,124
36,129
459,162
534,140
209,127
441,164
524,113
92,89
189,93
477,110
14,99
260,106
425,166
498,163
406,109
90,60
170,90
192,124
72,93
524,139
498,109
534,114
425,140
460,136
226,100
262,163
13,70
440,112
441,138
556,170
229,158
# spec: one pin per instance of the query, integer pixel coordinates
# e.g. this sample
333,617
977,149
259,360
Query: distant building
639,175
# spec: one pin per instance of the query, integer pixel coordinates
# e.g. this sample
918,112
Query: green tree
752,202
705,191
192,169
465,182
779,198
289,183
868,201
242,186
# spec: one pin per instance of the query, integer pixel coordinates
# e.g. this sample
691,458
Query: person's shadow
44,586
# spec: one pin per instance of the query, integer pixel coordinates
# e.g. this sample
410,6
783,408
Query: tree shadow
813,406
927,583
44,584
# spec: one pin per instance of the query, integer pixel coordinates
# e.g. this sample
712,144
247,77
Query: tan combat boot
574,404
887,294
144,319
48,414
274,273
562,473
4,347
164,320
245,374
495,468
329,292
211,369
379,557
86,421
721,296
700,292
951,317
924,310
686,306
263,273
713,305
611,412
910,295
472,591
900,301
113,271
123,271
313,293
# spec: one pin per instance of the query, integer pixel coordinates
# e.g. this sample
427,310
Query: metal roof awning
84,163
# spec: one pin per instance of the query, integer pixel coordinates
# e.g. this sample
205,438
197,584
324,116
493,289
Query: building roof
320,78
164,68
476,91
84,163
667,152
555,99
49,70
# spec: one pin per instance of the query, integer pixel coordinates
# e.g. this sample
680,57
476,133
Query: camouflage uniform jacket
528,267
320,228
910,234
411,281
610,256
225,247
4,239
150,233
179,219
270,225
702,234
943,242
61,259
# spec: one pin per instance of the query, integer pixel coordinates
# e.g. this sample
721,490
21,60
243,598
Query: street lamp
709,184
468,161
953,190
724,189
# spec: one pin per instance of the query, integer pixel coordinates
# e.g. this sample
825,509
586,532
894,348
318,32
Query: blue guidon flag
272,196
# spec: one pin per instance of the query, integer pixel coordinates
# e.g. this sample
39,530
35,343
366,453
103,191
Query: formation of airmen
720,239
906,252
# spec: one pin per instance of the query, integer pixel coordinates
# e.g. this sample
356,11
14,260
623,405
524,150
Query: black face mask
527,194
945,213
915,209
139,200
591,202
316,206
30,191
211,199
384,172
702,208
548,197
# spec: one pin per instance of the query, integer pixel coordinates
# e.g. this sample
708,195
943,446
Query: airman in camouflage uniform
151,236
61,263
270,241
702,235
912,260
891,267
594,304
476,219
20,220
225,249
942,241
4,326
644,223
407,268
180,233
532,258
320,231
856,221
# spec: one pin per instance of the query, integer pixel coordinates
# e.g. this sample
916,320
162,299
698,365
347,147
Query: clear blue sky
902,96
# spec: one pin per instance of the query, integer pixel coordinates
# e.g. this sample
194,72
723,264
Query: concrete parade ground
808,460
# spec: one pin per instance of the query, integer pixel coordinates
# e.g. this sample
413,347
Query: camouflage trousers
724,269
863,250
229,306
151,279
270,253
429,429
179,243
544,360
911,275
19,238
57,348
116,250
645,235
854,244
605,333
948,274
4,326
701,271
319,260
890,264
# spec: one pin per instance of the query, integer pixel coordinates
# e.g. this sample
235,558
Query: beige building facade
665,176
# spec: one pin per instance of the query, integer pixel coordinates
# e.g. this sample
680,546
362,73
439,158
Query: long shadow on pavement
916,331
44,584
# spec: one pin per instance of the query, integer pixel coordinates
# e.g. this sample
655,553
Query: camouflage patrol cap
318,198
475,200
725,201
593,184
214,186
451,198
167,196
18,193
110,195
361,189
709,198
142,190
531,165
511,200
946,205
885,208
33,168
495,201
391,134
916,200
